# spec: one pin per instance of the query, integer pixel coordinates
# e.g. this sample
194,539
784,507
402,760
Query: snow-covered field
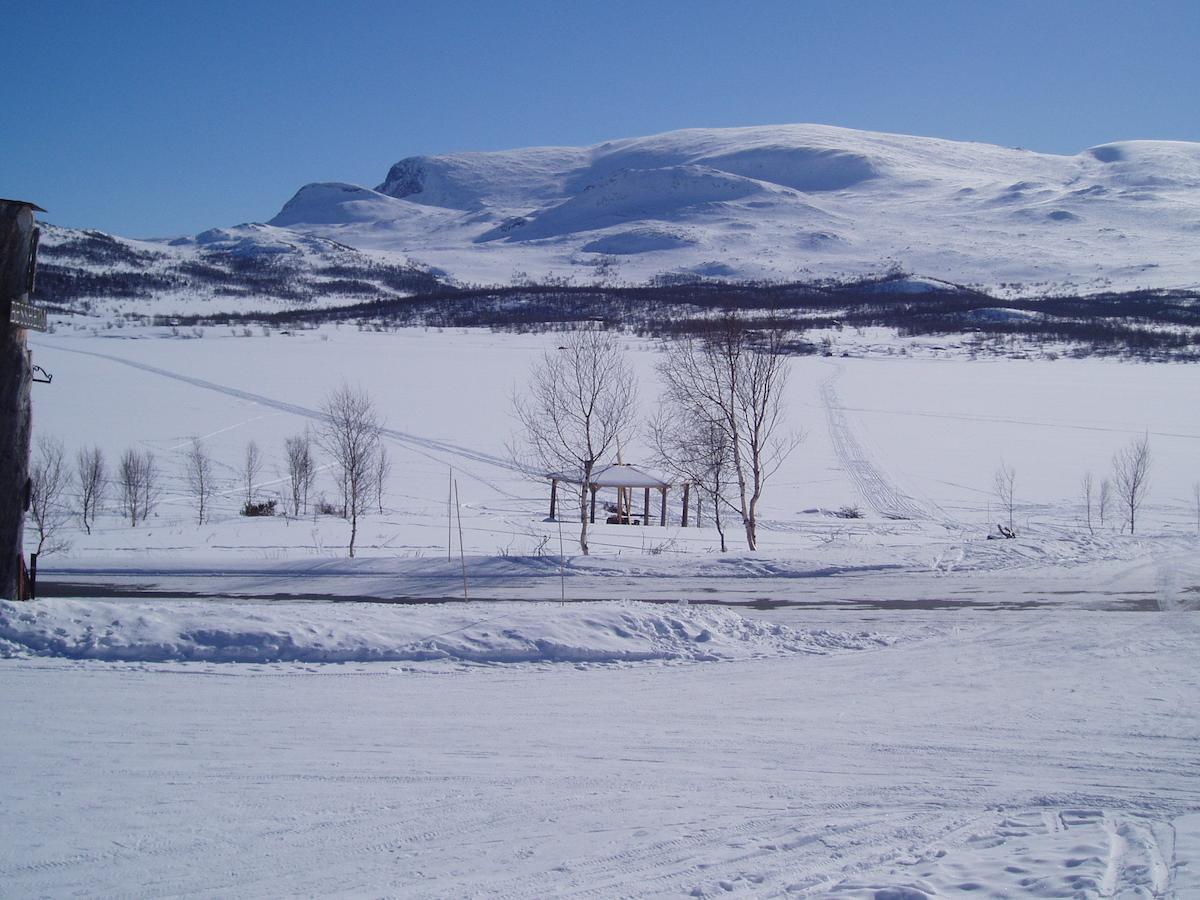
919,436
894,707
1045,754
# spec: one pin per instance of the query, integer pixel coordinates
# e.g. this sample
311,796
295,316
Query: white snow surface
784,202
1043,754
898,707
356,632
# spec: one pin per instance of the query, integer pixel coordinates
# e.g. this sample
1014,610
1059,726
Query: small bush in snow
261,508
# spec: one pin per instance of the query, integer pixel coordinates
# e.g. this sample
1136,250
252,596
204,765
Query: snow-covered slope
244,268
784,202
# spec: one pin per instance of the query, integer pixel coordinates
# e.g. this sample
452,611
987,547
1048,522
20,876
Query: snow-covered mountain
783,202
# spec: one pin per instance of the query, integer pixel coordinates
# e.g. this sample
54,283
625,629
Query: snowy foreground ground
877,708
1046,753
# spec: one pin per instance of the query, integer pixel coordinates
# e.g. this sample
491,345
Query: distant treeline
1146,324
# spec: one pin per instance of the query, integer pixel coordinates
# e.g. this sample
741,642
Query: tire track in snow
427,447
873,484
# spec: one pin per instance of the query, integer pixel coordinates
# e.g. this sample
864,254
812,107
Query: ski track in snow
430,448
873,483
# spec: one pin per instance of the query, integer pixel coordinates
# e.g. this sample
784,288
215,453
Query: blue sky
168,117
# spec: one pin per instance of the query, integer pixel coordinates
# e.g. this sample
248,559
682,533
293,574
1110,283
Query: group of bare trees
1127,487
138,479
723,398
349,433
301,469
59,492
718,427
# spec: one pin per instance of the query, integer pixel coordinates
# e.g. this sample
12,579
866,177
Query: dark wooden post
663,518
595,490
17,241
686,491
553,496
646,509
698,499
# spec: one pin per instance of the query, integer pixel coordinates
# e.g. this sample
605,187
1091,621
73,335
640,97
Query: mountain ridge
783,203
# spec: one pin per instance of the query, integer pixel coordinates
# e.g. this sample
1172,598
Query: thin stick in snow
461,552
450,517
562,572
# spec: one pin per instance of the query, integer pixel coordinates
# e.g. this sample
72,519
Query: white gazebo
625,478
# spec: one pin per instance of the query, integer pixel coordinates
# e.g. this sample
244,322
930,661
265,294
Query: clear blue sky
167,117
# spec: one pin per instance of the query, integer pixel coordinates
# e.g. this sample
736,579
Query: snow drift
355,632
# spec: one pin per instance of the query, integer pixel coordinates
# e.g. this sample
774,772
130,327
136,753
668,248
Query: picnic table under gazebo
625,478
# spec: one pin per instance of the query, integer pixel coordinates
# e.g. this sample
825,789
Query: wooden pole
450,518
698,499
461,553
562,566
663,517
16,377
646,509
553,496
686,489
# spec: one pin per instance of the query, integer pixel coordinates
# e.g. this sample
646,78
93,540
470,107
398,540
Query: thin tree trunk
717,519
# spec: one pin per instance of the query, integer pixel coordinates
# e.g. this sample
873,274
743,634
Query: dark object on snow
263,508
849,512
1005,533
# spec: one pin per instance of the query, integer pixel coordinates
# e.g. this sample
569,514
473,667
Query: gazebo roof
618,475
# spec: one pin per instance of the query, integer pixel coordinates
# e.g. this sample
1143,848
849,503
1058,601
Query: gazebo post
663,517
553,497
686,490
646,509
595,490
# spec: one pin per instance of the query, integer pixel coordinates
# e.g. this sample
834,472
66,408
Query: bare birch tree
251,468
137,478
1003,484
383,471
349,433
578,405
1104,499
301,469
198,471
1086,490
736,378
49,481
91,481
1131,477
697,452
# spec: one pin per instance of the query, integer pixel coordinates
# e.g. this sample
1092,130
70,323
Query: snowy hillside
783,202
222,270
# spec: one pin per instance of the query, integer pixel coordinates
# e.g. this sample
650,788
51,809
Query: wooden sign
24,315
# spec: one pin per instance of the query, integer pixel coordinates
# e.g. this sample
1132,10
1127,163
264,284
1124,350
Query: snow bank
355,632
